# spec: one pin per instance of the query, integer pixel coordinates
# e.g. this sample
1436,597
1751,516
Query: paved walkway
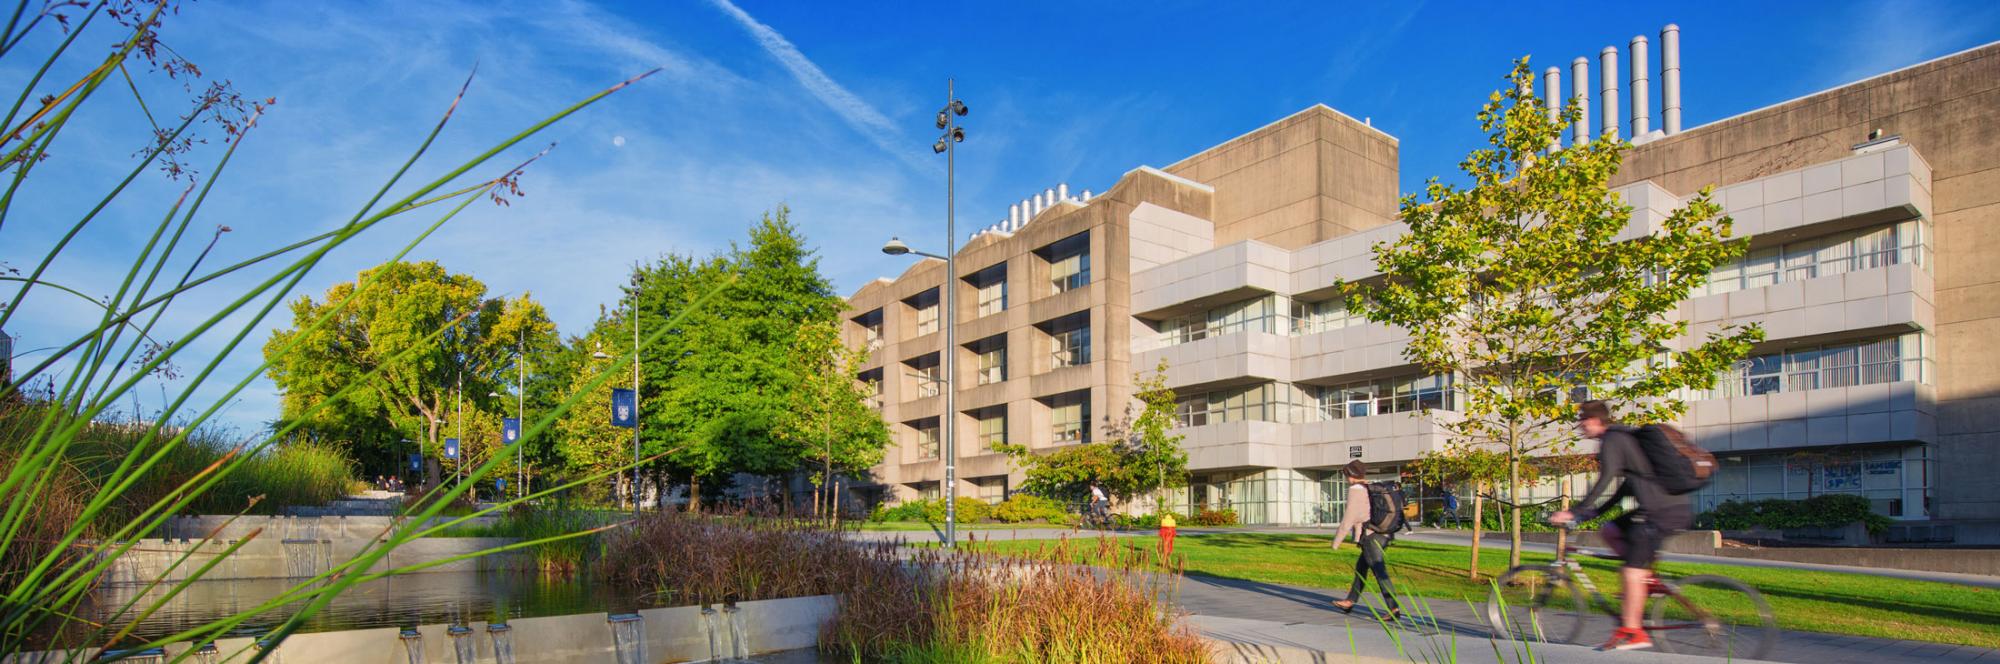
1300,607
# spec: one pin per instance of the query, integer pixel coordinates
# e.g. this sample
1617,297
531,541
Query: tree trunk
694,494
1514,495
1562,535
1478,525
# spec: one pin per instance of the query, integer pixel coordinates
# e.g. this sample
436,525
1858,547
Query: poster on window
1842,476
1884,467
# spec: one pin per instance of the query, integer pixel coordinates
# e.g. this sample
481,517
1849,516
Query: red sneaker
1627,639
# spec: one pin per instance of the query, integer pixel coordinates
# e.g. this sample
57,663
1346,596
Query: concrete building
1870,208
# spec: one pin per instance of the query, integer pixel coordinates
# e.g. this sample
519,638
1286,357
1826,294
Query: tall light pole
947,144
520,412
637,281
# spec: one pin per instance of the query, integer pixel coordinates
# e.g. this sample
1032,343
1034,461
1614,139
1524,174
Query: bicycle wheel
1536,604
1716,616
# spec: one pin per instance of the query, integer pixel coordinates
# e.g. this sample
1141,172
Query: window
991,284
993,367
927,320
871,384
1073,347
928,376
927,437
1865,249
1405,394
1310,317
1257,315
1900,358
1069,338
1269,402
926,306
1069,417
992,427
1069,262
991,354
990,489
871,329
928,491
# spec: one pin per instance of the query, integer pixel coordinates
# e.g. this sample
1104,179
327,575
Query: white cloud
853,109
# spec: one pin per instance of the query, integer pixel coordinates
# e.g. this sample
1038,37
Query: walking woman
1357,520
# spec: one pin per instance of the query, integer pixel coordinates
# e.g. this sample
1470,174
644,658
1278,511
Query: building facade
1869,210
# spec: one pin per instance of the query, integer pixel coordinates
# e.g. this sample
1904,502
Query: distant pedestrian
1373,532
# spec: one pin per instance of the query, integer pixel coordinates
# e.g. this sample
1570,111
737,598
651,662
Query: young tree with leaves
829,418
1522,286
1139,455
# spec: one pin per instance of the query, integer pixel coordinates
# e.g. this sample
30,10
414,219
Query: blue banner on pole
451,448
624,407
416,461
500,484
510,430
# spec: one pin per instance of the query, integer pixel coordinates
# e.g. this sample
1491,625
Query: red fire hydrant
1166,536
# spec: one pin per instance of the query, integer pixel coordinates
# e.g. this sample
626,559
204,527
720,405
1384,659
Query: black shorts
1645,534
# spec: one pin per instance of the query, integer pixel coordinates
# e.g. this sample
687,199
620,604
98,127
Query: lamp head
600,355
958,107
939,147
943,119
895,246
958,134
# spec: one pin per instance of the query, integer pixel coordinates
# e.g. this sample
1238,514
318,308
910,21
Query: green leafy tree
1139,455
829,418
726,385
388,326
587,442
1521,285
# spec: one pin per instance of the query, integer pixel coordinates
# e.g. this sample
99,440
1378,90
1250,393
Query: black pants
1371,560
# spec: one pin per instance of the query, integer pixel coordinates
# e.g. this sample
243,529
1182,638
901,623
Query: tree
1520,286
588,443
1140,455
829,417
422,331
726,386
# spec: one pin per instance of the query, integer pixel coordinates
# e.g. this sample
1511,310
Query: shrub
1021,507
963,606
914,510
1208,517
971,510
1140,521
1826,511
691,559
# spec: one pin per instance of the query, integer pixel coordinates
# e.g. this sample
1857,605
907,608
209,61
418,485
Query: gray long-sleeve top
1619,457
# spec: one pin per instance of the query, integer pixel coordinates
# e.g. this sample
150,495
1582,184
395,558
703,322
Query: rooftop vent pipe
1608,58
1579,70
1642,118
1670,77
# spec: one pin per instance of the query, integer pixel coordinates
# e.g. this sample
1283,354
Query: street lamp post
520,413
947,144
636,282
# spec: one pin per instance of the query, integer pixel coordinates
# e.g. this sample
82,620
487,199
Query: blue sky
827,108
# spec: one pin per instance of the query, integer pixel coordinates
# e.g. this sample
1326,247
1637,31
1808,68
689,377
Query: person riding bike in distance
1099,503
1636,535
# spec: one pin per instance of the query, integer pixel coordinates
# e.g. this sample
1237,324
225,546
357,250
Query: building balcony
1223,360
1356,349
1898,296
1224,274
1899,412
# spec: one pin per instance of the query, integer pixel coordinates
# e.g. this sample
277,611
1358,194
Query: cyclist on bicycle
1637,534
1099,504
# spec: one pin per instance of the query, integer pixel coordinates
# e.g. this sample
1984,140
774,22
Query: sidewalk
1262,642
1301,617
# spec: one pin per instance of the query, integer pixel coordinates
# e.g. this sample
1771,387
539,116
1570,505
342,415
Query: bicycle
1555,609
1097,518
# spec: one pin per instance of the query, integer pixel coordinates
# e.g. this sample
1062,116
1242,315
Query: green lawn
914,526
1803,600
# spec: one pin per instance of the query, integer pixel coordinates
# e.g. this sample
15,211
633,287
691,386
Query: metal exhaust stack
1579,70
1642,112
1552,93
1608,59
1670,78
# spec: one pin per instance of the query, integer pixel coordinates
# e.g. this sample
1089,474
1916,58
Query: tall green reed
59,563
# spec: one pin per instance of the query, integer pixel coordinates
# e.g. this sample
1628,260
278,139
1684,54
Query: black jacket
1620,458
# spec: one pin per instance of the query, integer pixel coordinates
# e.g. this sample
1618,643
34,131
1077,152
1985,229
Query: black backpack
1679,465
1385,507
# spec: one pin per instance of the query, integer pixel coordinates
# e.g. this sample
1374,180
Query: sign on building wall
1354,451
